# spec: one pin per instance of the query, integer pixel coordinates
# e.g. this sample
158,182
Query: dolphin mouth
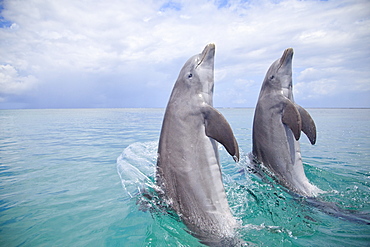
207,53
286,57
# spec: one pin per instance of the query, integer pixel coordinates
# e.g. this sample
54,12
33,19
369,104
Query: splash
136,168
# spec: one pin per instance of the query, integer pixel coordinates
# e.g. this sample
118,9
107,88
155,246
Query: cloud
91,50
315,83
237,94
13,83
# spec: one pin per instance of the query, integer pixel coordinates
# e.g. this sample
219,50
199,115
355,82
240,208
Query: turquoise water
59,183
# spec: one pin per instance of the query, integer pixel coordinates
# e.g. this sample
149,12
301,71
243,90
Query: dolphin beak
207,55
286,58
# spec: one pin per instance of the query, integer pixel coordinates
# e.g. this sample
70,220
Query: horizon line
219,107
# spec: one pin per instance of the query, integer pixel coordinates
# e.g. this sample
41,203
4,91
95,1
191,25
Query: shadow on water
313,203
332,209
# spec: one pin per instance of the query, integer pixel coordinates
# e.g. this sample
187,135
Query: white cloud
145,43
12,83
237,93
317,82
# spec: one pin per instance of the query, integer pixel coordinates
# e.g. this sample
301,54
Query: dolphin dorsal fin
292,119
308,125
219,129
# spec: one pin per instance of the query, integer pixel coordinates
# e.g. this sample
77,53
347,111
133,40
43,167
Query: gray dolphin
277,127
188,170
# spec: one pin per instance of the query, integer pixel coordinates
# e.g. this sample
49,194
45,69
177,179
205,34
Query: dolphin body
277,127
188,171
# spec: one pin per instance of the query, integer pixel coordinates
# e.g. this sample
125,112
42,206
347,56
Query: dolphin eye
190,75
272,77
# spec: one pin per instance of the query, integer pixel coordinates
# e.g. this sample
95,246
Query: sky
122,53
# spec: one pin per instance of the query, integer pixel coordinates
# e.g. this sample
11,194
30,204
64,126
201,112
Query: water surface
59,183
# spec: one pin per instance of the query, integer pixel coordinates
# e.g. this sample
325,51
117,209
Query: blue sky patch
3,22
171,6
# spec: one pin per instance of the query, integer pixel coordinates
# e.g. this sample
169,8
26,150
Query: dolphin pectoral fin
292,119
219,129
308,125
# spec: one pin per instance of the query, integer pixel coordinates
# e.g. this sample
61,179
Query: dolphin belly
190,177
275,147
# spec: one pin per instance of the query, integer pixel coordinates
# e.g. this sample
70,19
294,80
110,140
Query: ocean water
76,177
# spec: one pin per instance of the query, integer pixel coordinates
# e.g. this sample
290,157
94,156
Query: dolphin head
197,75
279,75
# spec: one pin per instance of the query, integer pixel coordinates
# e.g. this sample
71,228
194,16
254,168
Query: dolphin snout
286,57
207,54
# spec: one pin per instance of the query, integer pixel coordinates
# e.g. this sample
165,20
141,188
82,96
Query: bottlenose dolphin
188,170
277,126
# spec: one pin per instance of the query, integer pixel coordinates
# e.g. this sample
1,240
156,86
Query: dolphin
188,171
277,126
